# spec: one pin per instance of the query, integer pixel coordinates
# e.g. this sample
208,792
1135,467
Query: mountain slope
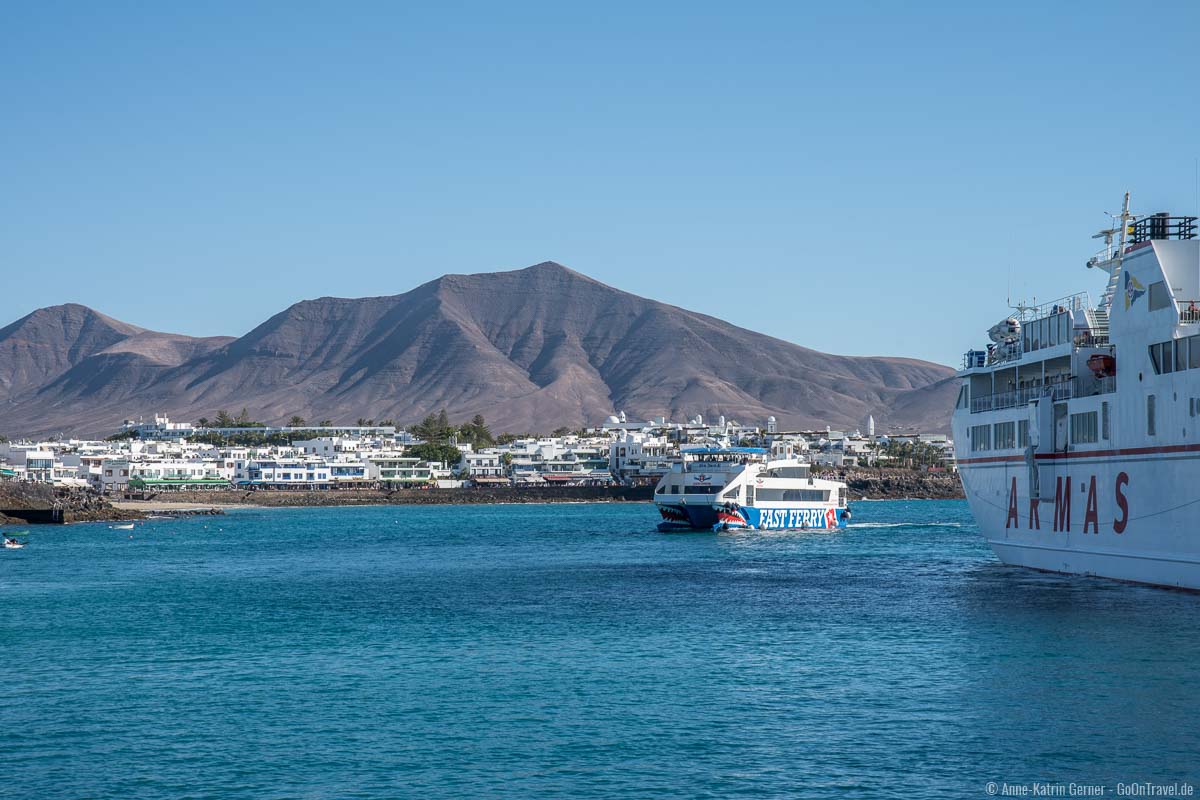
530,349
46,343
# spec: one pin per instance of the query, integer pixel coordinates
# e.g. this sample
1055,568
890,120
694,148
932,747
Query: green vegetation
476,432
917,455
242,420
509,438
248,439
122,436
449,454
436,429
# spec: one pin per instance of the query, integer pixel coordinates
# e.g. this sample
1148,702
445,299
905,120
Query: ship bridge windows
701,489
1049,331
1176,355
787,472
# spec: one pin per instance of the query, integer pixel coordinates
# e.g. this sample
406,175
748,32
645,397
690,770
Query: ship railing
1087,338
1080,301
995,354
1063,390
1105,385
1189,311
1162,226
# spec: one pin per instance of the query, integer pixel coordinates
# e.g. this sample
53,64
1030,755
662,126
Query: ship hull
1127,518
704,517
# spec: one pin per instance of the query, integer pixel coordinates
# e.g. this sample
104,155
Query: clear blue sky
860,178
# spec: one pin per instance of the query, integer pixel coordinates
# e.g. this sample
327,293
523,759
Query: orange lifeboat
1102,365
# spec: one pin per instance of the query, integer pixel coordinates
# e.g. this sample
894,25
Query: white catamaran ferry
1078,427
730,488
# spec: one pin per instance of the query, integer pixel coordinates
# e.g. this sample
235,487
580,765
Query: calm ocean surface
570,651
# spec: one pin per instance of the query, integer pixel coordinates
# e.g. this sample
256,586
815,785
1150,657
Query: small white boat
128,527
12,544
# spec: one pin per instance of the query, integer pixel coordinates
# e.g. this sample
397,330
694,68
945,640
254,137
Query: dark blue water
569,651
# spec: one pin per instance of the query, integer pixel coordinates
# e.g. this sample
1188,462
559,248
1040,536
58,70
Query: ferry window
1052,329
1181,355
1154,351
1159,296
1083,428
749,495
1104,421
962,397
1036,344
1005,435
1064,327
804,495
675,489
1150,421
1023,433
981,438
1166,357
1025,340
1194,352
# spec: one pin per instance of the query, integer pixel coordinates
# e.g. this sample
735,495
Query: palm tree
296,421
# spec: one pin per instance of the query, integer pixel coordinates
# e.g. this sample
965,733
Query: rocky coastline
898,484
85,505
23,502
875,484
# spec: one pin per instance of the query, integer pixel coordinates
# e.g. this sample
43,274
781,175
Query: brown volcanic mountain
530,350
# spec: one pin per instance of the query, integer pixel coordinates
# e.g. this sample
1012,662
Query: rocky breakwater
466,496
899,484
23,502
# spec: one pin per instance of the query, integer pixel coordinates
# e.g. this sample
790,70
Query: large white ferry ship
1077,429
732,488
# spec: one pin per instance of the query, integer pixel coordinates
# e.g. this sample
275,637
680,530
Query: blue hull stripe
704,517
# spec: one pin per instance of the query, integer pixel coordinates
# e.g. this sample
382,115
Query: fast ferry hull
698,517
1129,518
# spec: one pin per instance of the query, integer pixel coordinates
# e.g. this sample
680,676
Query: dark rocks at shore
75,504
899,484
85,505
886,484
468,496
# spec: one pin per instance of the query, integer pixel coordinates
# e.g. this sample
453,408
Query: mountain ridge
530,349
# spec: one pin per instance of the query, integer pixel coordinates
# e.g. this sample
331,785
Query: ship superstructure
1077,428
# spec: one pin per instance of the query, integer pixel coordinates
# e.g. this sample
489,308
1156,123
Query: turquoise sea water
570,651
